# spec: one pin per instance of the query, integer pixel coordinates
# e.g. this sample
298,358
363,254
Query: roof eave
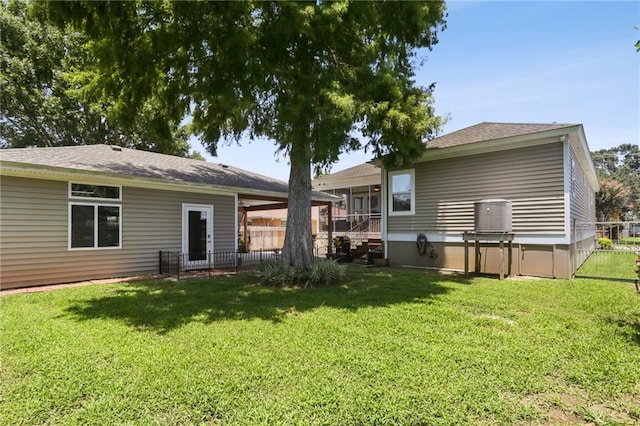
37,171
578,141
364,180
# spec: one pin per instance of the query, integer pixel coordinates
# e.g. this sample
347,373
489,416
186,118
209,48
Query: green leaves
299,73
54,93
618,169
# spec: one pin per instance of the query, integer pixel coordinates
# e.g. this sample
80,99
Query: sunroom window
401,192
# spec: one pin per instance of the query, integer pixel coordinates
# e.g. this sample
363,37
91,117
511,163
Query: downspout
332,226
235,225
245,223
350,207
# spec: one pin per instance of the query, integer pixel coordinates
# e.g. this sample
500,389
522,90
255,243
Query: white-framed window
402,192
95,224
95,192
574,178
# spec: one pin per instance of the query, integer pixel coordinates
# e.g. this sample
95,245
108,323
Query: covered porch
270,223
358,213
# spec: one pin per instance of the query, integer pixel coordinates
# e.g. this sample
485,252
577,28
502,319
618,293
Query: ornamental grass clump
323,273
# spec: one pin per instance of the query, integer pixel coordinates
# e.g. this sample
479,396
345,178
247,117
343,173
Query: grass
611,264
389,347
629,241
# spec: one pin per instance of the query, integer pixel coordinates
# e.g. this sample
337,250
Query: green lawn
611,264
630,241
389,347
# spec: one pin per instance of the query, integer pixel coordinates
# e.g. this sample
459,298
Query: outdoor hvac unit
493,216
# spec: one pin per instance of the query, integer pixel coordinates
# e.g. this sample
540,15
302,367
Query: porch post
330,229
350,208
245,224
331,224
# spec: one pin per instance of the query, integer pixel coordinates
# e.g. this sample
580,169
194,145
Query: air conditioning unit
493,216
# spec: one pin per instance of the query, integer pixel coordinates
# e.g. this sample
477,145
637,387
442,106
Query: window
94,225
81,190
401,192
574,180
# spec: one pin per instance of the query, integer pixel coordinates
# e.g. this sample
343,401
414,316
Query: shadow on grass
163,305
628,327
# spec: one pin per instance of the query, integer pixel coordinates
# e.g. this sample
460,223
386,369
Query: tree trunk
298,244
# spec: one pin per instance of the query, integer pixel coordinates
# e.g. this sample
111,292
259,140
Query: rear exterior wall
532,178
34,248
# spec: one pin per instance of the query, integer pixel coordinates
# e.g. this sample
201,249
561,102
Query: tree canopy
618,171
317,78
43,69
612,200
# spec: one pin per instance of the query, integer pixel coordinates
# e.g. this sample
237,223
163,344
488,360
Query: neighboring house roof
365,173
487,131
360,170
117,161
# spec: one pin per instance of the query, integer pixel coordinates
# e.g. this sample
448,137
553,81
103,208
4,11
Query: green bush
605,243
323,273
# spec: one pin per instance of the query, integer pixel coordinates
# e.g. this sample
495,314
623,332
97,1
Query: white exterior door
197,234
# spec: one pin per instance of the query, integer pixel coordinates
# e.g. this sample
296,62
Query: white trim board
457,238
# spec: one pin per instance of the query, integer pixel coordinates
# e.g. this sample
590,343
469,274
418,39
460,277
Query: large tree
317,78
618,169
42,69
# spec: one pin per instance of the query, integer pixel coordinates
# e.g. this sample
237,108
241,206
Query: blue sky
518,61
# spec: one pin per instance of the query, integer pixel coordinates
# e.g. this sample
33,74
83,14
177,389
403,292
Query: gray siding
581,207
532,178
582,201
34,232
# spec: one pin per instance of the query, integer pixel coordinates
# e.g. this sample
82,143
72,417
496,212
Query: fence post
160,261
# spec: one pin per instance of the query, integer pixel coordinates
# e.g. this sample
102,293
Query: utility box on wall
493,216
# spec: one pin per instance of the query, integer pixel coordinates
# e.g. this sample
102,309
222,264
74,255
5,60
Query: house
99,211
544,170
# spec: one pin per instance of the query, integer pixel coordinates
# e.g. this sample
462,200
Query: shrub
605,243
323,273
326,273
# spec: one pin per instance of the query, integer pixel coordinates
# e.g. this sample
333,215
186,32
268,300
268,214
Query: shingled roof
361,170
115,160
481,132
487,131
